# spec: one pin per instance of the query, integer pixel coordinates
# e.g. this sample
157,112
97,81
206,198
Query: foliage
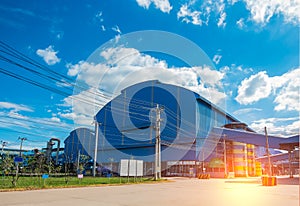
37,164
7,165
53,182
84,160
33,165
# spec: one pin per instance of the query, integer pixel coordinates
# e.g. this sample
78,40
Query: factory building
127,127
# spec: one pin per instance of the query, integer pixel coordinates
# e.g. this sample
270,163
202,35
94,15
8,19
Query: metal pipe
57,150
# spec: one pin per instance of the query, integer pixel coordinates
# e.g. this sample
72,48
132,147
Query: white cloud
263,10
221,22
232,2
209,76
73,70
225,69
236,71
189,16
288,97
33,124
103,28
88,72
99,16
246,111
10,120
163,5
144,3
117,38
15,107
49,55
254,88
285,88
123,56
217,58
121,62
85,104
55,119
124,67
68,115
201,13
277,126
62,83
240,23
116,29
15,114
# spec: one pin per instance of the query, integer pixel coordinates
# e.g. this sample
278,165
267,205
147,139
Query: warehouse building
194,133
79,142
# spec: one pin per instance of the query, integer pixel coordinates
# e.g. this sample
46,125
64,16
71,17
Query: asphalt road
178,192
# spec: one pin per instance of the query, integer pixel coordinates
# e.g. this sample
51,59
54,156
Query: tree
37,163
83,162
8,167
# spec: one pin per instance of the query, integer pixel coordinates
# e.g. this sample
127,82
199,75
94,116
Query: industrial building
194,134
79,142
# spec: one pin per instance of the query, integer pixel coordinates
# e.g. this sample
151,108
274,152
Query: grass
31,183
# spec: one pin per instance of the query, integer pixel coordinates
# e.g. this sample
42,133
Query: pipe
58,147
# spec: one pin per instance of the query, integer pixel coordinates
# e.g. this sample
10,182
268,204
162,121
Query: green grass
27,183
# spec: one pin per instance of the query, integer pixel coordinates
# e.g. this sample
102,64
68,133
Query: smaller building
78,143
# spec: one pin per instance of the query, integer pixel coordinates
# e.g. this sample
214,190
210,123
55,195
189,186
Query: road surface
177,192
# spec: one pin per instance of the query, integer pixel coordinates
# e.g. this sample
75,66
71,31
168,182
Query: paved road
179,192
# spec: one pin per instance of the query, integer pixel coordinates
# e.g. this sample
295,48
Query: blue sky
254,47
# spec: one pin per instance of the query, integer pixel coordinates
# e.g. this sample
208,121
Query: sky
253,47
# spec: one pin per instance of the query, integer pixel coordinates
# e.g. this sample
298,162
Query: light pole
157,167
96,146
22,140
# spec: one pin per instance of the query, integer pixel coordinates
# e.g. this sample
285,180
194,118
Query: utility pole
268,153
225,157
96,146
290,163
78,162
22,140
3,145
17,163
157,168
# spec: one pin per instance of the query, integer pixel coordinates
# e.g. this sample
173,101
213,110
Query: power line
44,121
24,58
136,105
63,79
24,133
